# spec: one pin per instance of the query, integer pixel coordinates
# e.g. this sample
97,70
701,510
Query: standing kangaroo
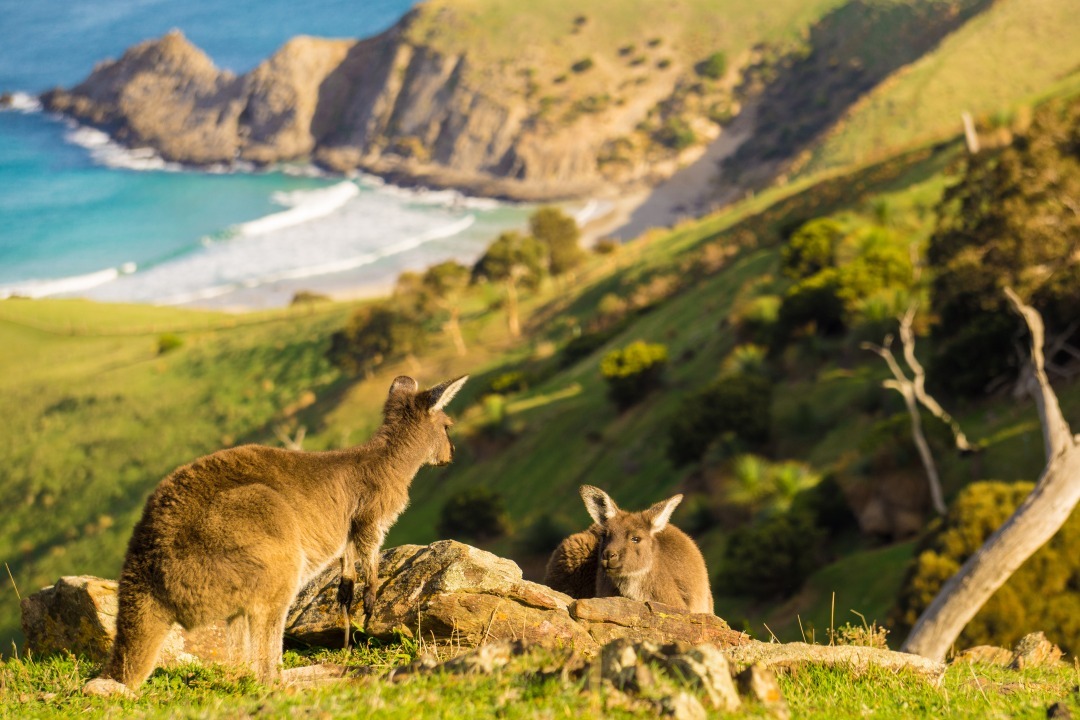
636,555
235,535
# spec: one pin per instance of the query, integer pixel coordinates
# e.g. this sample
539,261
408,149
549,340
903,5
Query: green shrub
811,248
813,305
634,371
737,405
582,65
772,558
756,320
510,382
167,342
1041,595
374,334
676,134
476,513
826,506
543,535
713,67
746,359
560,234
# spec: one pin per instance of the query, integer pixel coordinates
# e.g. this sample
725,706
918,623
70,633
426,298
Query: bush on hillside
475,513
1010,221
634,371
582,65
811,248
1043,594
167,342
755,321
814,306
543,535
374,334
738,406
560,235
713,67
772,558
676,134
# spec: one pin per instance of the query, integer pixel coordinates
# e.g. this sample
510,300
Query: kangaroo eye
635,539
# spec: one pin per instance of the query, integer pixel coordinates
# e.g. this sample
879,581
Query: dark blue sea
80,216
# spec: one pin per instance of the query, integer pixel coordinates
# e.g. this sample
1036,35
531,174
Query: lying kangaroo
633,555
235,535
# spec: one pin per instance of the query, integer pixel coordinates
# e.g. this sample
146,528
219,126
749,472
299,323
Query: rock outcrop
455,595
78,615
449,591
394,104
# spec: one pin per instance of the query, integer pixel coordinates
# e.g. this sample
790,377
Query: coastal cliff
403,105
542,103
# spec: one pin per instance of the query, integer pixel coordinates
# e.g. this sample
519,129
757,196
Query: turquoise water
75,219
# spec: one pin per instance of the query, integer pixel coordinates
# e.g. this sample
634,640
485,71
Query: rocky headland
400,107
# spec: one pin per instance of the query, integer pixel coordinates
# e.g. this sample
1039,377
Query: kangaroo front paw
345,590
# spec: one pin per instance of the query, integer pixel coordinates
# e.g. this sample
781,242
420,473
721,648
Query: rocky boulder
78,615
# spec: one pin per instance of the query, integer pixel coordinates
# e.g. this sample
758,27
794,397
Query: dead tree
906,388
1038,518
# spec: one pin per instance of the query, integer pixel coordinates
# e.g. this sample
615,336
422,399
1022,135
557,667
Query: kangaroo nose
610,555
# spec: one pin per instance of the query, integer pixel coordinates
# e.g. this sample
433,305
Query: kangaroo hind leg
141,627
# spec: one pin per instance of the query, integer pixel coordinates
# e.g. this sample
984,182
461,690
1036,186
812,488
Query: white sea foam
426,196
325,233
592,210
110,154
66,285
304,206
23,102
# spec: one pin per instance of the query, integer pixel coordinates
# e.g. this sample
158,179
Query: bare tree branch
907,339
906,388
291,443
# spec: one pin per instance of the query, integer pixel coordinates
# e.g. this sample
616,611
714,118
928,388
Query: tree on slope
514,260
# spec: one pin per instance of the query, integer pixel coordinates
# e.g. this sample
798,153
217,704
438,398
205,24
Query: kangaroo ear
403,384
660,513
443,393
599,504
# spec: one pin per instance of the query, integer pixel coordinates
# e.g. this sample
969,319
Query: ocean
81,216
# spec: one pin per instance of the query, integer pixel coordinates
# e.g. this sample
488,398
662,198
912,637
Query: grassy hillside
50,689
1010,55
96,414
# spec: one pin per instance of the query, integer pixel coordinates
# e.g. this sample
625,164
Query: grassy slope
50,689
492,32
94,417
1010,54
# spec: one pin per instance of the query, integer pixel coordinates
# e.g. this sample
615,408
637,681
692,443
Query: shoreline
620,214
693,191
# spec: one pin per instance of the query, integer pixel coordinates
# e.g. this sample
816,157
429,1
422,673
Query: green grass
49,688
1010,55
95,416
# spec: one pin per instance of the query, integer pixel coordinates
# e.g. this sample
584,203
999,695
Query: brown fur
235,535
571,569
635,555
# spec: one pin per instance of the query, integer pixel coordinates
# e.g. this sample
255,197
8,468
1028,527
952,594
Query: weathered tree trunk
1037,519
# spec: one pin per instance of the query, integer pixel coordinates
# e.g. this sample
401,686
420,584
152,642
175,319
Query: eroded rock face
388,104
78,615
